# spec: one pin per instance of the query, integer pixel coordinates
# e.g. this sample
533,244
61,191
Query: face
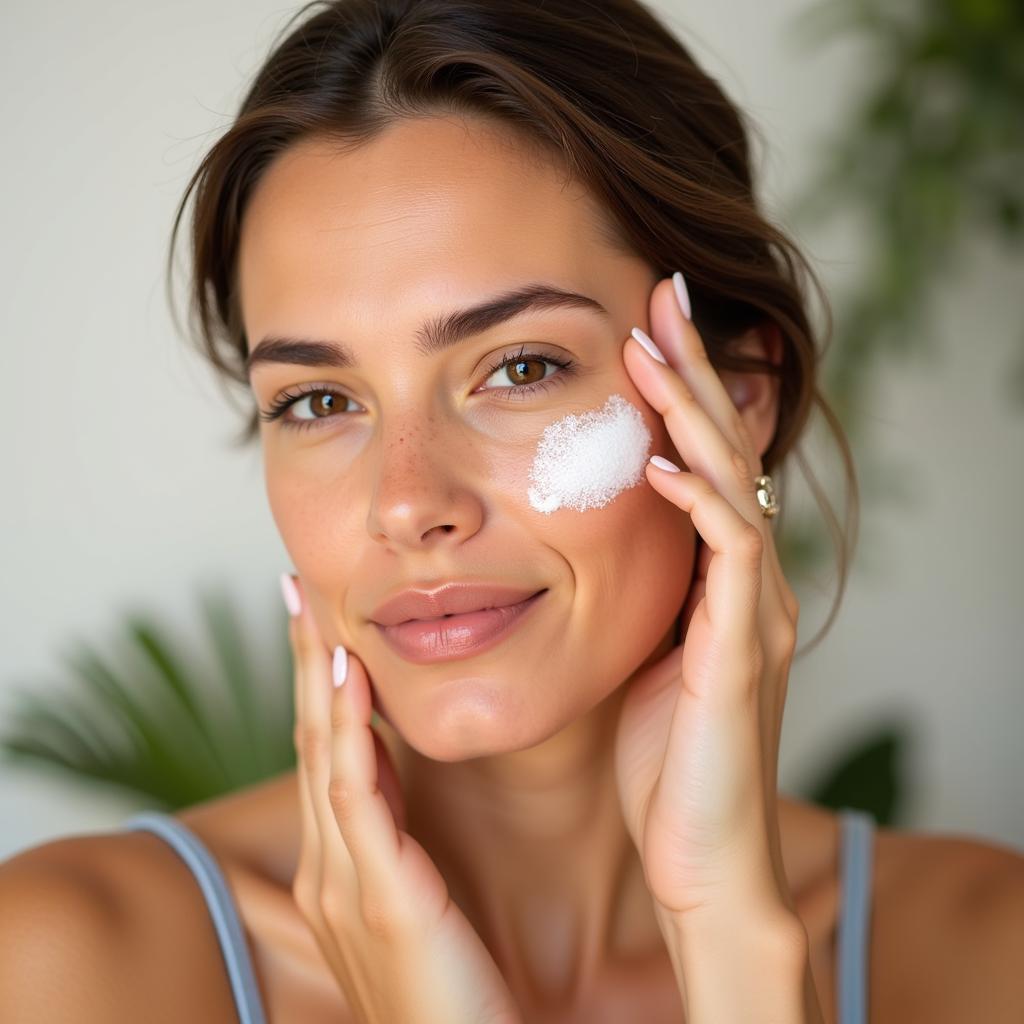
480,459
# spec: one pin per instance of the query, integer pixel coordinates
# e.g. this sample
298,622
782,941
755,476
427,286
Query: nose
422,495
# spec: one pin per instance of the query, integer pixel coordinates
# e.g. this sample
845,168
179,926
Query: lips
448,599
461,635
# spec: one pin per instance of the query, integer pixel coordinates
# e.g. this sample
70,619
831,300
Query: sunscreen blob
584,461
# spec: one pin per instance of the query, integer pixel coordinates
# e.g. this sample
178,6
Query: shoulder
107,927
948,928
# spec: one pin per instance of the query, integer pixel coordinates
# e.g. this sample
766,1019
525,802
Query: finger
678,338
314,700
307,881
360,809
732,587
681,343
309,867
707,451
701,444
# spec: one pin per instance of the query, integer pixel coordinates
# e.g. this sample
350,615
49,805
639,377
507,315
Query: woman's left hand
698,738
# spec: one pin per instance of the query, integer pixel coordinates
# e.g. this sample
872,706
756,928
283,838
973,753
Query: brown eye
525,371
323,403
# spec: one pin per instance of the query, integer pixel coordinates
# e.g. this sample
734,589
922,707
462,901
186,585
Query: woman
523,353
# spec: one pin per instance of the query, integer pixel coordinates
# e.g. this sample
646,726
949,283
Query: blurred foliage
869,774
928,161
931,157
150,721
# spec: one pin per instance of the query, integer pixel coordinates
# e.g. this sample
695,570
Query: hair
606,90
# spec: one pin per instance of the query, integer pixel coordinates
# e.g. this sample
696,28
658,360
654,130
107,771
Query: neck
535,852
534,849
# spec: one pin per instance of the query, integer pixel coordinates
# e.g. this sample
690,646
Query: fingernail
652,349
665,464
682,295
340,665
290,592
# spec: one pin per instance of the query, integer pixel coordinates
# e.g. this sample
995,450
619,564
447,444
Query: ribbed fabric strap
852,943
220,903
854,916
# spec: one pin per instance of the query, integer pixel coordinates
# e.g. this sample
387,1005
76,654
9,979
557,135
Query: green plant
932,156
868,773
157,724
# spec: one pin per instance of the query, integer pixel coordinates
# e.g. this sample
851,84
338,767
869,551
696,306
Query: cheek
584,462
631,549
314,525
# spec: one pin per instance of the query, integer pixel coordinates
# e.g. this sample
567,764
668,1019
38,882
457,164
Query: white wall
120,488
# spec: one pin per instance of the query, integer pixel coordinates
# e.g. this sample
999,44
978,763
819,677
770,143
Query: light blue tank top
857,832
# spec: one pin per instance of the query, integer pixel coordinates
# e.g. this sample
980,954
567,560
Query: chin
466,717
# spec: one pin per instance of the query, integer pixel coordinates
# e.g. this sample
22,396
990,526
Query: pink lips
425,641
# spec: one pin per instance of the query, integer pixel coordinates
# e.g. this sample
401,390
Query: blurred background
145,661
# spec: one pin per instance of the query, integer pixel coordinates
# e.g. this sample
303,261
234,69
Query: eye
326,403
319,398
521,370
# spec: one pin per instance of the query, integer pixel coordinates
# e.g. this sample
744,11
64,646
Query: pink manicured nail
652,349
339,666
665,464
682,295
290,592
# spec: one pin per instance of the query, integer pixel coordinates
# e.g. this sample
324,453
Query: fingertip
663,463
290,594
339,666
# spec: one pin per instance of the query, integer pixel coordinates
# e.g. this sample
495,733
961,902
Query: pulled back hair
604,89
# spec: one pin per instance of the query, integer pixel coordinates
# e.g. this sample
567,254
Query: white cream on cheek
585,461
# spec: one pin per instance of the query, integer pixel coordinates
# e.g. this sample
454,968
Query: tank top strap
856,853
219,903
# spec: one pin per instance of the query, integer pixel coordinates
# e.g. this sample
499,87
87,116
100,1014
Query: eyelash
281,405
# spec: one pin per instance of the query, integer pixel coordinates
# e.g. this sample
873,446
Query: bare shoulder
947,940
107,927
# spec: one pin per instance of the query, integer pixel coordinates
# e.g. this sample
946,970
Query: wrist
739,967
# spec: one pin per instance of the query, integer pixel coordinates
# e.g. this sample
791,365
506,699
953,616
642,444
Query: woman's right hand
401,950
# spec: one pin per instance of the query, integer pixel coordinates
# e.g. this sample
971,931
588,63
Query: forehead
439,210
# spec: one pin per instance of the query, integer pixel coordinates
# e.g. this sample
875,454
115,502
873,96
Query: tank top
855,862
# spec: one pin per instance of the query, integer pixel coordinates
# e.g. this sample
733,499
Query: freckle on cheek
585,461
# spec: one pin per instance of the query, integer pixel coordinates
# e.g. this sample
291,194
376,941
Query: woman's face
414,465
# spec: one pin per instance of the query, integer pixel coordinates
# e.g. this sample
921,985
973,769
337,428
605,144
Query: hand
378,906
698,738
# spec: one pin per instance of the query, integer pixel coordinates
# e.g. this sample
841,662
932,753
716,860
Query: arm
740,970
56,938
104,929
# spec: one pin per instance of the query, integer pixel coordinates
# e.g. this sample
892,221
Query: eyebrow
434,335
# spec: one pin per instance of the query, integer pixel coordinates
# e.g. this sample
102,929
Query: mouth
457,635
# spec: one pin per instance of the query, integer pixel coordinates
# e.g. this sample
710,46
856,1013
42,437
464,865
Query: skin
512,797
505,758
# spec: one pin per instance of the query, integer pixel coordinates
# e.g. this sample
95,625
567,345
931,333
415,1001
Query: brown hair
603,87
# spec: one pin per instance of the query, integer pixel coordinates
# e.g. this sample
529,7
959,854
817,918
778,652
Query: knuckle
683,392
310,742
377,919
787,636
753,543
741,471
332,903
306,899
342,798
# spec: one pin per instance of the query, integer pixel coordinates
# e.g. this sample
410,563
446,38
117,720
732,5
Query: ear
756,395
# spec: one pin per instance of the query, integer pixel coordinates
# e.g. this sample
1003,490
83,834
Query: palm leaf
148,720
